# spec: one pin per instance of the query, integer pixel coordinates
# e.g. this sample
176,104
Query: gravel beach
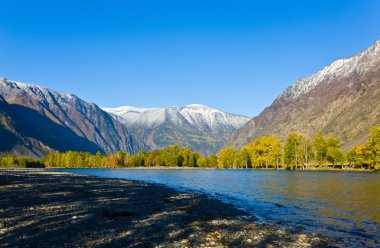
43,208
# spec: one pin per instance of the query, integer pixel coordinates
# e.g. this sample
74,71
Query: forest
268,152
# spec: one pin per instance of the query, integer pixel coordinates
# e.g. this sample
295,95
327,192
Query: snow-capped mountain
358,64
212,119
202,128
62,121
341,99
196,114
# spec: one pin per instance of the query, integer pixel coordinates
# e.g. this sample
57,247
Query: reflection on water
345,205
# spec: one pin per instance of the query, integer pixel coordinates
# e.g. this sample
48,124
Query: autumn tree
137,160
294,150
265,152
184,157
320,148
226,157
334,153
122,157
359,156
367,155
373,147
212,160
202,162
245,158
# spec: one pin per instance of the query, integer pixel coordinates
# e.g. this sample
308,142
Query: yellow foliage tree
265,152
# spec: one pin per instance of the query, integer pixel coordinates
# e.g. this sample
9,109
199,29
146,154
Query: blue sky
233,55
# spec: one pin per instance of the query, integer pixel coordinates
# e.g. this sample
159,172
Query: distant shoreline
41,207
214,168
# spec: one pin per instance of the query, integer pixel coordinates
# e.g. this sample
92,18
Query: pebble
302,236
280,232
251,219
139,229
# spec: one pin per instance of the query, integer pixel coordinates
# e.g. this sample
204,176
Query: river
342,205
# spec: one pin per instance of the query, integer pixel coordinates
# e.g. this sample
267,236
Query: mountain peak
196,105
359,63
203,128
62,121
34,89
339,100
125,109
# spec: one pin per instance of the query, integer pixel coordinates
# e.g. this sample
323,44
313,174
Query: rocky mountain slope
202,128
342,99
14,142
58,121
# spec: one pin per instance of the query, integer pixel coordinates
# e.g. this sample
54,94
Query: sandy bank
41,208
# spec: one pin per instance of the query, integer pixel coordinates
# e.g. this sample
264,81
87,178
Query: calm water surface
344,205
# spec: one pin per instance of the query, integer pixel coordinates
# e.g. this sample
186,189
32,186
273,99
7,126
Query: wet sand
42,208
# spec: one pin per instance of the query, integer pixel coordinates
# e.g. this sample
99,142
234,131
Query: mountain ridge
335,100
202,128
66,113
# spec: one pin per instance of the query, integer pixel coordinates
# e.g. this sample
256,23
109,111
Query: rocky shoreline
43,208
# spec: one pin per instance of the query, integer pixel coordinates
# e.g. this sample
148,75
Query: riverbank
346,169
44,208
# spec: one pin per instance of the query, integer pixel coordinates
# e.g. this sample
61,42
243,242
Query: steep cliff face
63,121
202,128
13,142
342,99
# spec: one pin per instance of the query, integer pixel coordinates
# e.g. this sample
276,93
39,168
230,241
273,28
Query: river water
342,205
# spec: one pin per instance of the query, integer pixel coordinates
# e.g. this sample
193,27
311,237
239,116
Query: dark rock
119,212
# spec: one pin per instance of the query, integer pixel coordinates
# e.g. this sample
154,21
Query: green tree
359,156
184,157
334,153
294,150
202,162
320,148
212,160
121,158
138,159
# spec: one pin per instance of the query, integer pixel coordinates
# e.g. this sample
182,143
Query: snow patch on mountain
198,115
9,87
125,109
359,64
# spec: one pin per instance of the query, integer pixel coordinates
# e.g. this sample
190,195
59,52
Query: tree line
296,152
301,152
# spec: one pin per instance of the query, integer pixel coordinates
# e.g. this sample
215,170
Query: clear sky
233,55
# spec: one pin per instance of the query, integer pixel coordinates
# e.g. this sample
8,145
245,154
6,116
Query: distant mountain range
343,99
36,120
202,128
